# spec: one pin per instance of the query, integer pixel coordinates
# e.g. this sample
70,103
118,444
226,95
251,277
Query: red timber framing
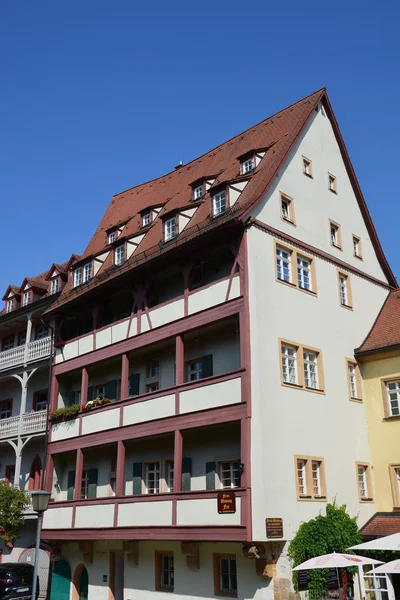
176,424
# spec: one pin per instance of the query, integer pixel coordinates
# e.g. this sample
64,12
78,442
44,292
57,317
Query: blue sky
99,95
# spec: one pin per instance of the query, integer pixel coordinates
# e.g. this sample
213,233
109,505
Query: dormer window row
82,274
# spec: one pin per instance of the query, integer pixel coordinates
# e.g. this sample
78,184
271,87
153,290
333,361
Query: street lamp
40,503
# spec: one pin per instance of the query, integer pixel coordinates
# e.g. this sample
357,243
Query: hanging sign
274,528
226,503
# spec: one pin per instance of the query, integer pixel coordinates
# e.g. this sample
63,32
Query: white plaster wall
103,338
222,342
11,388
86,344
62,431
314,203
165,314
286,422
157,408
211,396
99,421
95,515
204,512
57,518
212,295
39,381
119,331
143,514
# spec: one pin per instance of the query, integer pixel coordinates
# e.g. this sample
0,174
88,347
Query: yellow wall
384,434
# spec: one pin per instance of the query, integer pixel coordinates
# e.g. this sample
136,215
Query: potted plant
65,413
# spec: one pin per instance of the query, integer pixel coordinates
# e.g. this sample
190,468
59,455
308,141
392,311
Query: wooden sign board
226,503
274,528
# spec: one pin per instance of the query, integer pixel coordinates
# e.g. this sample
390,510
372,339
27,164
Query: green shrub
65,413
13,502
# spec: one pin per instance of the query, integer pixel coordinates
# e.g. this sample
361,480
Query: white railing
33,422
15,356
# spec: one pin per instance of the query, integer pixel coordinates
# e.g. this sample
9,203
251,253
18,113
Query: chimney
179,166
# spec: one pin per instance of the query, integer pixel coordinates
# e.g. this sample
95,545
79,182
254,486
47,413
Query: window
198,192
395,480
357,247
309,375
112,236
375,585
54,286
10,305
169,229
5,409
100,391
42,332
392,405
287,261
307,167
364,482
78,276
146,219
152,478
169,475
85,485
353,380
336,236
113,476
228,473
39,400
8,343
22,338
287,209
248,165
345,296
195,370
164,564
152,387
26,298
332,183
153,368
10,475
219,203
310,478
87,271
119,255
225,575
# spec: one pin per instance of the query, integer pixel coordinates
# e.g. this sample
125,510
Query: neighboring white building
207,333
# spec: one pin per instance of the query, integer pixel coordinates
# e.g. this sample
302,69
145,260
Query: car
16,581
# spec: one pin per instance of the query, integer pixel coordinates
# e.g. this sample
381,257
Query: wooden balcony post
78,474
54,392
179,360
124,377
47,484
178,453
120,475
84,386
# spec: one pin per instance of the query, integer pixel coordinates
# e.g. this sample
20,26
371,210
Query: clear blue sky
99,95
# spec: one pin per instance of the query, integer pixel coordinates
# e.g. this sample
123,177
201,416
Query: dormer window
54,286
112,237
248,165
82,274
219,203
87,271
170,229
119,255
78,276
146,219
198,192
26,299
10,305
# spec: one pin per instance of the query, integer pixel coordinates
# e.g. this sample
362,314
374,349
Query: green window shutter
207,365
137,478
90,393
71,398
134,383
110,389
92,483
186,474
239,462
210,475
71,485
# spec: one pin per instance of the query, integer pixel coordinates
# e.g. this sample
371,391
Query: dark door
60,581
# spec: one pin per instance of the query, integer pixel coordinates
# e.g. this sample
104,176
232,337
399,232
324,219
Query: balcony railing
15,356
33,422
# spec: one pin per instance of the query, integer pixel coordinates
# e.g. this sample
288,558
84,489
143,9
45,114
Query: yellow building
379,360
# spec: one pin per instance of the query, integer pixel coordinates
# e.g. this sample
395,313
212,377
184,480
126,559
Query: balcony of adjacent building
177,377
24,341
170,483
163,297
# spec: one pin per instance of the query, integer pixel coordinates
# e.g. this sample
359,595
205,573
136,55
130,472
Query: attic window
220,203
248,165
170,229
82,274
119,255
198,191
146,219
54,286
26,298
307,167
10,305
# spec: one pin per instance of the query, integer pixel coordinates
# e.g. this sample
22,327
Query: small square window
345,290
198,192
307,167
332,183
169,229
119,255
195,370
146,219
248,165
364,482
219,203
228,474
112,237
152,387
357,250
287,209
335,235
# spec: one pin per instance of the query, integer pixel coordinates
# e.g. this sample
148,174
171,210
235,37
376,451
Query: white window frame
307,167
9,347
152,467
316,478
393,388
170,229
334,235
42,332
352,375
153,368
304,273
198,192
220,203
310,365
362,482
78,276
146,219
169,475
100,391
283,264
112,236
26,298
231,468
119,255
301,477
195,370
10,305
343,291
289,364
54,285
84,491
248,165
87,272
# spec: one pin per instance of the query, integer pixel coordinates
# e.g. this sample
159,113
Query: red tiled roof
173,191
382,524
385,332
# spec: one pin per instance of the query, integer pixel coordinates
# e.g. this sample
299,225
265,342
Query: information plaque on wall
274,528
226,503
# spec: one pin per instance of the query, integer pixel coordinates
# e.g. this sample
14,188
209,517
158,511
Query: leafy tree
13,502
334,532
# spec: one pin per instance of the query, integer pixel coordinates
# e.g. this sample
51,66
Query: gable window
336,236
8,343
152,478
309,375
248,165
395,480
393,398
87,271
170,229
119,255
364,482
332,183
310,478
307,167
146,219
228,474
26,298
78,276
357,252
112,237
10,304
225,575
288,261
5,409
198,192
353,380
287,209
345,290
164,565
54,286
219,203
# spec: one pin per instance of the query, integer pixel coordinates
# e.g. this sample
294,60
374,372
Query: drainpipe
48,403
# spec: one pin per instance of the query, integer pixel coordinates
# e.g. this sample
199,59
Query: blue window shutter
134,385
207,365
71,398
210,475
90,393
110,389
92,483
137,478
71,485
186,474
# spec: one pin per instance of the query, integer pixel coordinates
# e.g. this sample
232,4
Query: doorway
28,556
117,561
80,587
60,581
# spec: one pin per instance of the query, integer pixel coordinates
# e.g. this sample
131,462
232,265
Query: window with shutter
137,478
134,385
210,475
92,483
71,485
207,362
111,389
186,474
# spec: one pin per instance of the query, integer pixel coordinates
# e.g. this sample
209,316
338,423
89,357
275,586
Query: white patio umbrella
391,567
336,560
388,542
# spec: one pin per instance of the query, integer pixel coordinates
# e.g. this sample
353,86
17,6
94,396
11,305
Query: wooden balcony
31,352
32,423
